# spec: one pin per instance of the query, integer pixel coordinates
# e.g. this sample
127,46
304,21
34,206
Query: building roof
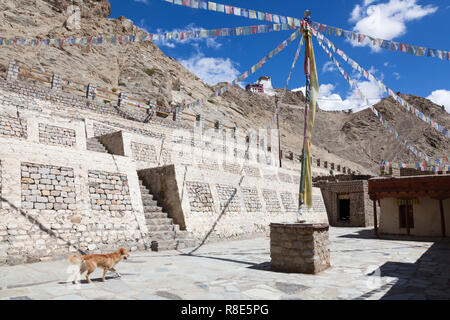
432,186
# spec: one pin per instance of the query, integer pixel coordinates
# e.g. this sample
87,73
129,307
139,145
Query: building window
406,215
344,207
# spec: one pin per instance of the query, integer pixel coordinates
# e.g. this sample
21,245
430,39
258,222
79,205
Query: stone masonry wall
109,193
46,187
108,209
361,214
200,197
13,127
144,152
228,202
56,135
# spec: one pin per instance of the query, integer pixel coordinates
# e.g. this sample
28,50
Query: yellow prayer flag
212,6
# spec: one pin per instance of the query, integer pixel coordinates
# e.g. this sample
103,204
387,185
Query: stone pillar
176,114
57,82
123,98
338,168
318,163
13,71
299,247
235,132
325,164
151,111
200,121
91,91
218,126
332,166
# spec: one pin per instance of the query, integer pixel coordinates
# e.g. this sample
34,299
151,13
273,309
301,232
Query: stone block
299,248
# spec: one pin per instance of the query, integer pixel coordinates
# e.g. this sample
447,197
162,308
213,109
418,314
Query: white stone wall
427,218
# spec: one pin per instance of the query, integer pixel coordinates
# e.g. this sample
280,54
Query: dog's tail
75,258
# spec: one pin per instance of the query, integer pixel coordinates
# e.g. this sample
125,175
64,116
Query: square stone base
299,247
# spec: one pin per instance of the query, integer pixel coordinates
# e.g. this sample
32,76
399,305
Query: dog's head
124,253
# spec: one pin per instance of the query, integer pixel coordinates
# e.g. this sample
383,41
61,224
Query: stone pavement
362,268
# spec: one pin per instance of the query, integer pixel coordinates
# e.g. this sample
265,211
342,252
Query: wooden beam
375,219
441,206
408,229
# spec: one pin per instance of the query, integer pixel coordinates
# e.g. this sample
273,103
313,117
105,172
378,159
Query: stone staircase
93,144
164,234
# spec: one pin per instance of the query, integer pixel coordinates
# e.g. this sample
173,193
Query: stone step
162,235
164,245
155,215
159,221
152,209
161,227
187,243
149,202
146,196
92,144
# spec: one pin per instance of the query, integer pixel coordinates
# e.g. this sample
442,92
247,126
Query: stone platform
299,247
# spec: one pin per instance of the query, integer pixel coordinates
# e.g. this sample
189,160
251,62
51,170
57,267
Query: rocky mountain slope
143,70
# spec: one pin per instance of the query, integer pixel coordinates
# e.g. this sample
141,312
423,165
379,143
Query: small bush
150,72
114,90
190,94
106,101
211,101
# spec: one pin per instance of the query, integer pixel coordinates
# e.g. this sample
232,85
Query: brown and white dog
90,262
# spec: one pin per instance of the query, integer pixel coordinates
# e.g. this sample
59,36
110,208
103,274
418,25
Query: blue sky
415,22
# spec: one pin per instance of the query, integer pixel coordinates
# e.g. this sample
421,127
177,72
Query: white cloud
441,97
331,101
386,20
211,70
328,67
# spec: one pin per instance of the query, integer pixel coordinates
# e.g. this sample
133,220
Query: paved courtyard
362,268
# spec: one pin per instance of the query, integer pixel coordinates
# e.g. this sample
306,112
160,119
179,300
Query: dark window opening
406,212
344,209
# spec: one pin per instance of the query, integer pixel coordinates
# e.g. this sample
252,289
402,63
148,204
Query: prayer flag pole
305,192
279,132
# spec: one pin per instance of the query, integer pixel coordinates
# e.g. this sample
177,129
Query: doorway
344,207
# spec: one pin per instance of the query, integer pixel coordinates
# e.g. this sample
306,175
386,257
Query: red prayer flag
253,29
361,38
229,9
403,47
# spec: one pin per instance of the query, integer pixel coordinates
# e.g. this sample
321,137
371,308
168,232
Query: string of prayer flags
385,44
389,128
247,73
424,166
174,35
410,108
246,13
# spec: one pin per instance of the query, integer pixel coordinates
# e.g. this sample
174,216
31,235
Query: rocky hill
141,69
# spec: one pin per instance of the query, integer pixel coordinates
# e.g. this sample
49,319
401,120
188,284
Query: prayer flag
212,6
220,7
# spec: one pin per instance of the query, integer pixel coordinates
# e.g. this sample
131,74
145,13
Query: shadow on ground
426,279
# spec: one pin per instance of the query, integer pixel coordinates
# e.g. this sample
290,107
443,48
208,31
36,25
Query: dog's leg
87,275
115,271
104,274
79,273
